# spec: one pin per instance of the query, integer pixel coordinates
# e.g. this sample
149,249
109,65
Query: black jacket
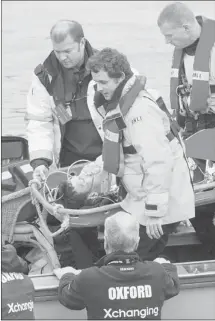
79,136
120,287
17,301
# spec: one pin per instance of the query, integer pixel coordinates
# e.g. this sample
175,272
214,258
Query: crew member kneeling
119,286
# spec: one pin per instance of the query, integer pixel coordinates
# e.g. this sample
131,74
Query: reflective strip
113,137
26,168
6,175
174,73
41,154
96,117
200,75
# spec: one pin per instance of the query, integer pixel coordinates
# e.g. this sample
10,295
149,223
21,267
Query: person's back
120,286
17,288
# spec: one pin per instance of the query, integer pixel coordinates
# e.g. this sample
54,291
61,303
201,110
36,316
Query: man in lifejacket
192,82
192,86
17,301
60,126
119,286
141,149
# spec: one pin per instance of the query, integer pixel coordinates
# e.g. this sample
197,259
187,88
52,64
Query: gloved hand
40,173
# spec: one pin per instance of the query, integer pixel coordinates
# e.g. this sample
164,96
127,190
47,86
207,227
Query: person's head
73,193
68,42
121,233
108,68
178,24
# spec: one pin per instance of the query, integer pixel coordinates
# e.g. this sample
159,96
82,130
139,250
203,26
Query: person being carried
119,286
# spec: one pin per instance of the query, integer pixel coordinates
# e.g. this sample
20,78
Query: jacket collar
118,257
191,49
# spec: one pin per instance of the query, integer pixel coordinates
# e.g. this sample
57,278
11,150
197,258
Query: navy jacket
120,287
17,301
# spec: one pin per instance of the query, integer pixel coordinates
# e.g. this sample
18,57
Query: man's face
180,37
68,52
106,85
82,184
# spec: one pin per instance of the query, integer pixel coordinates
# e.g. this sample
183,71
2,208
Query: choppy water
129,26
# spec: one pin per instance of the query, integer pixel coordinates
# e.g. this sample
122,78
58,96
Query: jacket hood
119,257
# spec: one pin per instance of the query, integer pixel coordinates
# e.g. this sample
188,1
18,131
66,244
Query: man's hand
211,101
154,227
68,269
40,173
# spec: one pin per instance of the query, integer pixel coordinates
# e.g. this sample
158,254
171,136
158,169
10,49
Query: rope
45,186
73,164
15,195
37,205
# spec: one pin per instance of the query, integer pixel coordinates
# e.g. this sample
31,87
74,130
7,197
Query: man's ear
186,27
123,76
82,42
138,240
120,79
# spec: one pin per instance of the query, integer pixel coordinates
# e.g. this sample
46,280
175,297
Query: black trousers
150,249
203,225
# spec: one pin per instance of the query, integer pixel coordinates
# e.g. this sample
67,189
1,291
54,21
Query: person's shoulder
145,104
155,268
89,273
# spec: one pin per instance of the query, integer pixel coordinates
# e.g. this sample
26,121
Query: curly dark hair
111,61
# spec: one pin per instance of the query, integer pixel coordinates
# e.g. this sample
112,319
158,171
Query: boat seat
183,236
14,148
